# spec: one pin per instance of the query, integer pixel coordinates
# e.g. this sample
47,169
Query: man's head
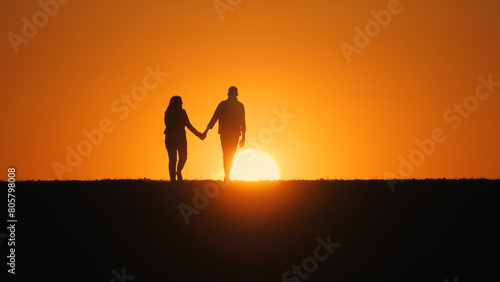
232,92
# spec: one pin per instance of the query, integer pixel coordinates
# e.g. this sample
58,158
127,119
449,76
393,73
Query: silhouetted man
231,116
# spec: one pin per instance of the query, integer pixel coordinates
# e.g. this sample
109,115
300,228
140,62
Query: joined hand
203,135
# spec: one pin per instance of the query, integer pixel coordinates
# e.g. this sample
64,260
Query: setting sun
254,165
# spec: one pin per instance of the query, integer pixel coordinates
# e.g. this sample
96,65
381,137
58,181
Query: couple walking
231,116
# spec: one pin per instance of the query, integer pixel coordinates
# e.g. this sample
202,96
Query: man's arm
214,119
243,127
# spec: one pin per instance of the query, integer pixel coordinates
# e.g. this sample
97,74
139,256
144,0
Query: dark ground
427,230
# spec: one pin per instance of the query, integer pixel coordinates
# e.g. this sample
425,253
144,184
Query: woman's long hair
175,104
173,110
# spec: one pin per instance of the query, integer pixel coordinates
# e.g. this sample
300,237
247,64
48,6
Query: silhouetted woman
176,120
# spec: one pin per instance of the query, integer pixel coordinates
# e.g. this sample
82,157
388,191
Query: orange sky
353,112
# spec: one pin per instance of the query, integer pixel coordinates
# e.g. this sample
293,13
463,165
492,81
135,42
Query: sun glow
254,165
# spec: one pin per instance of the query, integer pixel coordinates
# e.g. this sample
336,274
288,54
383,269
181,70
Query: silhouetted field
426,230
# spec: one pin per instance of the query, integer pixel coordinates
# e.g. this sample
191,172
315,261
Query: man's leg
229,145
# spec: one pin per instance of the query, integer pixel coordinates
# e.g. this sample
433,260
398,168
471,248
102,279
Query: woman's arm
191,127
166,122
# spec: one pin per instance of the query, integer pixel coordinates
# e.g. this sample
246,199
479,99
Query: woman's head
175,102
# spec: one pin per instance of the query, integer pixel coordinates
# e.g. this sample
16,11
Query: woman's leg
182,157
172,158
